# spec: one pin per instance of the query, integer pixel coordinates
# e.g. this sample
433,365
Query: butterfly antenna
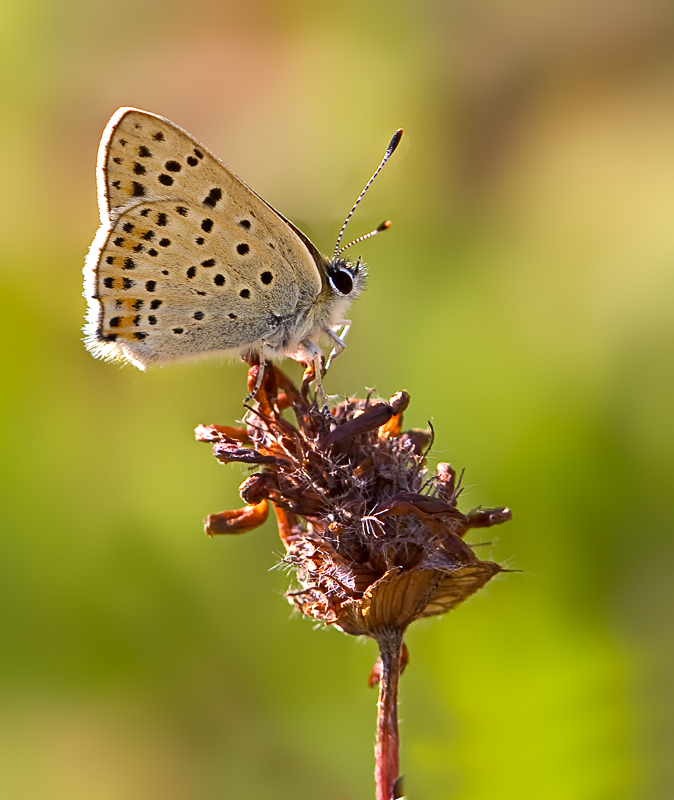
379,229
395,141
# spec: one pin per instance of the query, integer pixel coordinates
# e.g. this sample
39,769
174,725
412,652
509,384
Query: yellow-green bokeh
523,297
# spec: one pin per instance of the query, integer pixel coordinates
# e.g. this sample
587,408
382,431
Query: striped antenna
379,229
395,141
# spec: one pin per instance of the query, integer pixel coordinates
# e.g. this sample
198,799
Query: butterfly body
190,261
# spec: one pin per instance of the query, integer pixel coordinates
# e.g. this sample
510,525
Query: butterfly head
345,278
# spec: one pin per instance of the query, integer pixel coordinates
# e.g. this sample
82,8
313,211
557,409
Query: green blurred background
523,297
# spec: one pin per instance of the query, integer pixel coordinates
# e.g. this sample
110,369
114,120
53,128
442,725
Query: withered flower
376,542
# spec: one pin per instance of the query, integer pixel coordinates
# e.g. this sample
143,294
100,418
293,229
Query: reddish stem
387,744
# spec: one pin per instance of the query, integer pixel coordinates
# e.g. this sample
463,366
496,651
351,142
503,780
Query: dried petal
459,585
258,487
226,453
398,402
486,517
370,419
241,520
393,601
221,433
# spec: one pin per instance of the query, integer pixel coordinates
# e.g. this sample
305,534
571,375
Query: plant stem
387,744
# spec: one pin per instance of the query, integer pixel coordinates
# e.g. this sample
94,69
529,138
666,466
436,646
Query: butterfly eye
341,281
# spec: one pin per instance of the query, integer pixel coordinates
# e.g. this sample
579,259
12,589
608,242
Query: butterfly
189,261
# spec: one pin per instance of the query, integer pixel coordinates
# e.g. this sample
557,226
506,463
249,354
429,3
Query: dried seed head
376,543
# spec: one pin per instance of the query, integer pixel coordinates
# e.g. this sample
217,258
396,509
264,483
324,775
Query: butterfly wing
188,259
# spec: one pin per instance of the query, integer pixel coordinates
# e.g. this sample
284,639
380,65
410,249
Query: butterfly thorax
341,283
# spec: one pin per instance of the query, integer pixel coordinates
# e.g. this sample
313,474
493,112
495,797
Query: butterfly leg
320,391
316,357
338,339
262,361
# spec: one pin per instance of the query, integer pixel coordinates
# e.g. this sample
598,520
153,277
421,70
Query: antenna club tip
384,225
395,141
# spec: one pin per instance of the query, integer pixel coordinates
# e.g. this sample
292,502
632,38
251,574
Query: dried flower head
375,541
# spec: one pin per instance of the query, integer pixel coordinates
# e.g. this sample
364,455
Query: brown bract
375,540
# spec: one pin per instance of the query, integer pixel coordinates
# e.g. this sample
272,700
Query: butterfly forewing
189,260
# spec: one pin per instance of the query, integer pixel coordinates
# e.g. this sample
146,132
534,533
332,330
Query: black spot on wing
213,198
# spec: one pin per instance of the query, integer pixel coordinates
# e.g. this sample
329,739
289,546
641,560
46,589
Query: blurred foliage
523,297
